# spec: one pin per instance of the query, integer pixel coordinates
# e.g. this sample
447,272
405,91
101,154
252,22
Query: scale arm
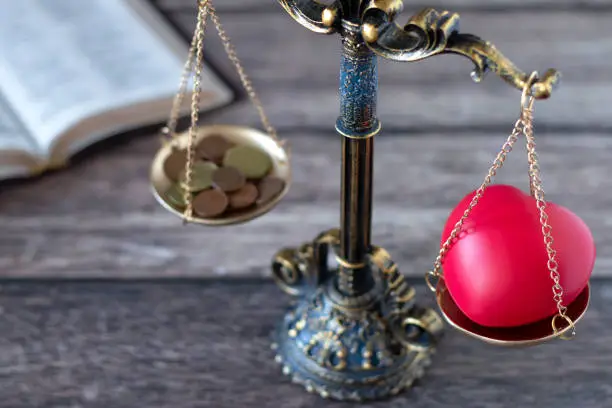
430,33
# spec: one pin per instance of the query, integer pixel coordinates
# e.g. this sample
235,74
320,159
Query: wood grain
99,219
202,345
297,72
440,132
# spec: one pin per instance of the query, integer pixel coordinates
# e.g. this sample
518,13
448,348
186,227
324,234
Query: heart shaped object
496,270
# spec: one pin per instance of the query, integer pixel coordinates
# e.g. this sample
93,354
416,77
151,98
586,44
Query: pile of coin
225,178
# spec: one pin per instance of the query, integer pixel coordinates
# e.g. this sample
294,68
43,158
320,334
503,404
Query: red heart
496,271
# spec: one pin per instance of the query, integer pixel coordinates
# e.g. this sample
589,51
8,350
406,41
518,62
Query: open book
73,72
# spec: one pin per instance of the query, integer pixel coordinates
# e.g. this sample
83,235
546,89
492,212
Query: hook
527,98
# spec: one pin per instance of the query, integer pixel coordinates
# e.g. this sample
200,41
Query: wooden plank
296,72
98,219
459,5
207,345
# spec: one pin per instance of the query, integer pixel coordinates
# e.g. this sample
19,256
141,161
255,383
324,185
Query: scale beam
426,34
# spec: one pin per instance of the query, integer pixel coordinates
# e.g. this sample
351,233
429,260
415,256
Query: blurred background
97,218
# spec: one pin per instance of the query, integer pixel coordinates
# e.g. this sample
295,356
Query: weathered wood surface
161,346
98,218
109,225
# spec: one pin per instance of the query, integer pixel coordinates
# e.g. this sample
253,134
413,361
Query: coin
269,188
201,176
243,197
176,196
251,161
213,148
175,163
210,203
228,179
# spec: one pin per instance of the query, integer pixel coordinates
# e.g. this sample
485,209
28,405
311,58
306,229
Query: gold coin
251,161
174,163
201,176
176,196
269,188
210,203
244,197
213,148
228,179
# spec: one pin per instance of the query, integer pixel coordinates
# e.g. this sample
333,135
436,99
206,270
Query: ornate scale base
343,357
350,347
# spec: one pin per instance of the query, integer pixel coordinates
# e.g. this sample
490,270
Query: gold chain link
244,79
195,106
538,194
170,129
497,164
523,126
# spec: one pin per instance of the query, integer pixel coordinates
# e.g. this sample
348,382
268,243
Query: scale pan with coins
250,203
218,174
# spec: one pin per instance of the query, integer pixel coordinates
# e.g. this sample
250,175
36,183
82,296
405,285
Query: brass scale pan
239,135
527,335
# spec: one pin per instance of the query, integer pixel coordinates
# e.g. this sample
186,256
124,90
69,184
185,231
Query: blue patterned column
357,124
358,94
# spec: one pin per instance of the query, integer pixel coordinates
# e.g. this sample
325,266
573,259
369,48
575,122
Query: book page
13,135
64,60
14,141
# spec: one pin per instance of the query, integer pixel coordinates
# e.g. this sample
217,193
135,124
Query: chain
523,126
170,129
538,194
498,163
246,82
203,10
195,60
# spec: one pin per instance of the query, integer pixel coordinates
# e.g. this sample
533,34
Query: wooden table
150,335
207,344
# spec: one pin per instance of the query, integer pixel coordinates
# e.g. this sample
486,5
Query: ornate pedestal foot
350,347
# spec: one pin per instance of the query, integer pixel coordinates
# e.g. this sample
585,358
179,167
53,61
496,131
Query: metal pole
357,124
